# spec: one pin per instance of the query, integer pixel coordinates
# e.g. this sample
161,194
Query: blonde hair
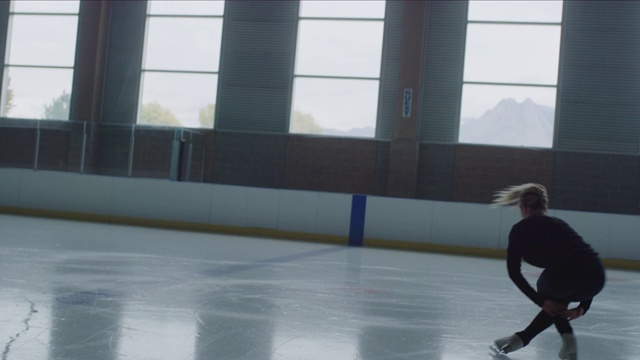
530,195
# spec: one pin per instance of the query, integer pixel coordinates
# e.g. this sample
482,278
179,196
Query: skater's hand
554,308
574,313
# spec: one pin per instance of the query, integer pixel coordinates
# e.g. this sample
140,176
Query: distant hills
511,123
366,132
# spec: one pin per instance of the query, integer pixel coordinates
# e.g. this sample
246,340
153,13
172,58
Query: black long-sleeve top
545,242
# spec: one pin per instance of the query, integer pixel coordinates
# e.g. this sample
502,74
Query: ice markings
7,347
83,298
241,267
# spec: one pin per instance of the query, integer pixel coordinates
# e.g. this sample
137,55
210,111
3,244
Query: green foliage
59,107
9,99
9,106
155,114
304,123
206,116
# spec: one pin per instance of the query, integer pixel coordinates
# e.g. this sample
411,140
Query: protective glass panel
181,100
507,115
42,40
46,6
48,100
334,107
199,7
343,9
191,44
339,48
521,54
520,11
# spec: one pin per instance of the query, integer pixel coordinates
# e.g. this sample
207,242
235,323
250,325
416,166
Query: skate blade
497,353
495,350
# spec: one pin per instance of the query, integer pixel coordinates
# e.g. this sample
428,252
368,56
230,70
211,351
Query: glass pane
48,100
507,115
523,54
343,9
42,40
183,44
199,7
335,107
47,6
181,100
339,48
533,11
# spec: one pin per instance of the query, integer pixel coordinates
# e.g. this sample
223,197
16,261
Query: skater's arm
514,267
574,313
554,308
585,305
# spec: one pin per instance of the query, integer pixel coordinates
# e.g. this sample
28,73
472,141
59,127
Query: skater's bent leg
540,323
556,283
563,325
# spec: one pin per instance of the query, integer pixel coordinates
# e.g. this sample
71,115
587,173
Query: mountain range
365,132
511,123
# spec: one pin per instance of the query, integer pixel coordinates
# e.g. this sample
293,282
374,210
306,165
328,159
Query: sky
338,48
506,53
50,43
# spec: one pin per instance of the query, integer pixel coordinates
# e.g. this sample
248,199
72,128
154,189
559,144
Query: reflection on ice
235,322
84,323
150,335
100,292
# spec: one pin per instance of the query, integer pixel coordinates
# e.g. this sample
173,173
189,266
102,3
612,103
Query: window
337,68
510,73
39,60
180,65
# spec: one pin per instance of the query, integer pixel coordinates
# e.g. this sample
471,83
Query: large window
510,73
337,68
180,66
39,60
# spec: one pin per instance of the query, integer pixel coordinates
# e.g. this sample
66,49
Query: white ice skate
569,349
507,344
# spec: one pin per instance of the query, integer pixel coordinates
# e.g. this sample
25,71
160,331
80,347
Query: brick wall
209,138
109,149
249,159
331,164
195,156
381,179
76,143
435,171
446,172
152,153
480,171
17,147
53,151
596,182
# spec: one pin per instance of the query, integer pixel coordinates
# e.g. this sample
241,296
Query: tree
9,105
9,98
59,107
155,114
304,123
206,116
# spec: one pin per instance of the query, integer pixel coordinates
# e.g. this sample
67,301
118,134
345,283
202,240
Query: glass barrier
103,149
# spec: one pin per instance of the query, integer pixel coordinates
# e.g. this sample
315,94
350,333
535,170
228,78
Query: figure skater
572,269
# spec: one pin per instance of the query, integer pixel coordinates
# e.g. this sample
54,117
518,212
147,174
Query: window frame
144,71
7,65
377,79
556,86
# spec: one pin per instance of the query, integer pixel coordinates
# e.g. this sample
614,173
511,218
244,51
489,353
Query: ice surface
73,290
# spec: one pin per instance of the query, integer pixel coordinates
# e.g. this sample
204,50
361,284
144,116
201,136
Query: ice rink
74,290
